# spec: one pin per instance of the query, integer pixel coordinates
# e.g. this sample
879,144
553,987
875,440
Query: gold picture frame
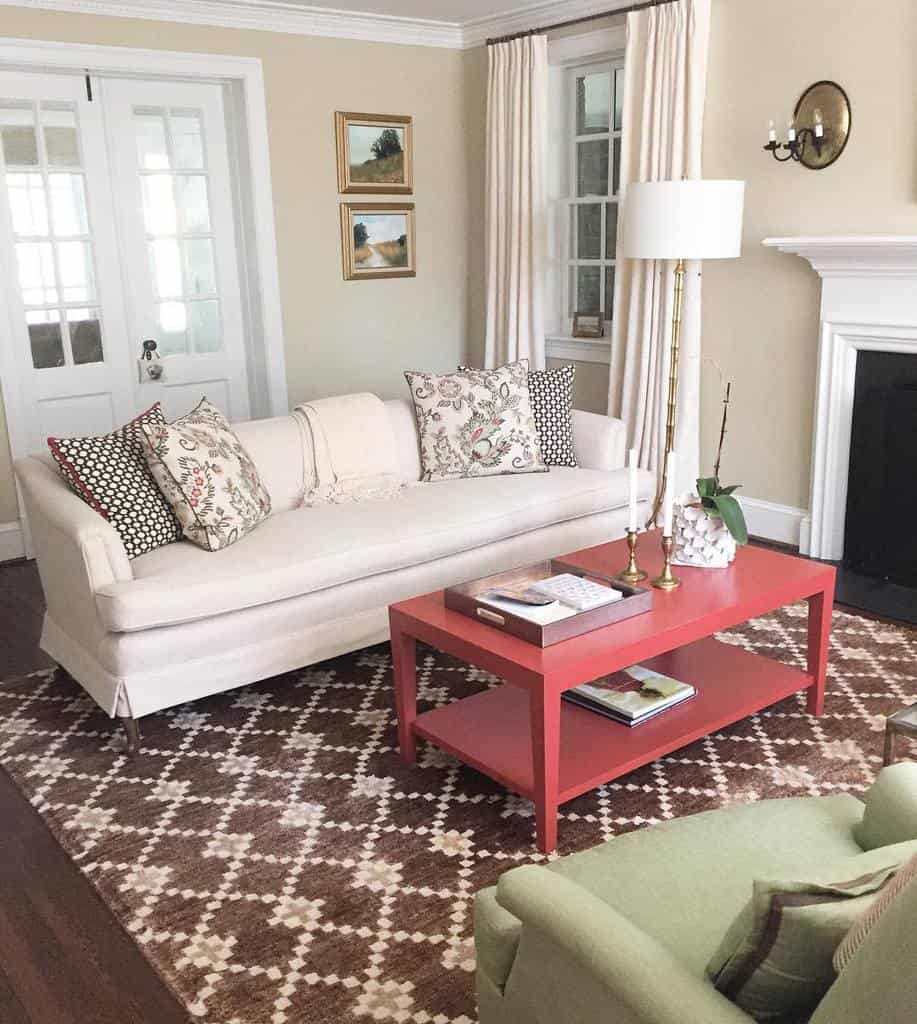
375,153
588,325
377,240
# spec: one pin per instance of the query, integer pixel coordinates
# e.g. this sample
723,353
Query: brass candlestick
665,580
633,573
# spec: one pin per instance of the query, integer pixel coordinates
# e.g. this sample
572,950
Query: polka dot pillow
110,474
551,393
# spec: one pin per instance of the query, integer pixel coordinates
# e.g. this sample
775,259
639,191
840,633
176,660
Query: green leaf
729,490
706,486
731,513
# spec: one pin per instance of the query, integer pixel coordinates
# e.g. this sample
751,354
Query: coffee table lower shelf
491,731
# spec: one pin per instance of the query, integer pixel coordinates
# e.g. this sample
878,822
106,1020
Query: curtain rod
578,21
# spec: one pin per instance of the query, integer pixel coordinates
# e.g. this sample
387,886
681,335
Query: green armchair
622,934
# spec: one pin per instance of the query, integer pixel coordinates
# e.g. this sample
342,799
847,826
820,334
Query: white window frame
568,58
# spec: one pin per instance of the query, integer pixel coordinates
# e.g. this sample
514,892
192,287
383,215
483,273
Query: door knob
150,358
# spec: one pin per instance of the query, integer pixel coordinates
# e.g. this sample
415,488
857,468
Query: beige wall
760,313
341,336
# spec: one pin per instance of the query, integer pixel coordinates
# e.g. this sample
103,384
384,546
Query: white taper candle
632,483
668,503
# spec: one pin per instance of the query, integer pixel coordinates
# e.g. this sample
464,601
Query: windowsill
581,350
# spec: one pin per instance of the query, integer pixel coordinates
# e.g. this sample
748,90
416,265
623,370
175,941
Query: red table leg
404,663
820,608
545,718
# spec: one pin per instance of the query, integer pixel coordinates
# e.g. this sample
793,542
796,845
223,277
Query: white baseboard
11,542
771,521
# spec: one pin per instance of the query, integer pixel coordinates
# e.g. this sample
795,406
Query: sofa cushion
110,474
306,550
879,985
685,880
476,423
775,959
207,476
276,448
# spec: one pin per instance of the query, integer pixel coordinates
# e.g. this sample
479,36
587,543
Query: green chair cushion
775,959
879,984
684,881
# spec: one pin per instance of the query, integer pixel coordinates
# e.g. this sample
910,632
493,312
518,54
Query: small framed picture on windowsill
588,325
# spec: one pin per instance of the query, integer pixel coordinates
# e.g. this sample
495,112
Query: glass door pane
51,235
176,197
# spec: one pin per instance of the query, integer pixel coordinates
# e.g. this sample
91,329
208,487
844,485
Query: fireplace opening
879,567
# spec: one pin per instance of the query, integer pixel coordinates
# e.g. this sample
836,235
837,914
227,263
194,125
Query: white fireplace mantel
868,302
854,255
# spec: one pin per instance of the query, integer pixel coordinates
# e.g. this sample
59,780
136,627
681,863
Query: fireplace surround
868,304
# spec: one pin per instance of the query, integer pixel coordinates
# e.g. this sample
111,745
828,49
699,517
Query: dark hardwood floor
63,958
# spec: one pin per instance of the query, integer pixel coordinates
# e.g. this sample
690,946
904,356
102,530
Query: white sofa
309,583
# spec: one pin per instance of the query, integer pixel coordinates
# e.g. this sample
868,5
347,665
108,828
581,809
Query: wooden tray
464,598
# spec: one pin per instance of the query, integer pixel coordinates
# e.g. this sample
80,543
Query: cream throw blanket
349,450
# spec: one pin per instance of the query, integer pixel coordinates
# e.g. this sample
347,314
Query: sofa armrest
644,982
599,441
891,808
61,522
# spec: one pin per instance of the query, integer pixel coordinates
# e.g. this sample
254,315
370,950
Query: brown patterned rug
276,861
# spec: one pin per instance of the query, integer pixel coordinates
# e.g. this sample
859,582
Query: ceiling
456,24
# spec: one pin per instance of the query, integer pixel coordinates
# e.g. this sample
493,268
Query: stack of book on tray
552,599
631,696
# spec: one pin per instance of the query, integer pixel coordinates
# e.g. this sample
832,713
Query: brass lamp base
666,580
633,573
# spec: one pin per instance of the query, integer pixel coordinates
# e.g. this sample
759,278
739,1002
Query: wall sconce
818,130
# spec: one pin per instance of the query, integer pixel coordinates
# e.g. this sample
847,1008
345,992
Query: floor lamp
680,220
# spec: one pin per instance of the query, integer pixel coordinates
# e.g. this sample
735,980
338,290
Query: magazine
631,695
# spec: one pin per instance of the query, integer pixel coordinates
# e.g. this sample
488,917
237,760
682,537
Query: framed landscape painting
375,153
377,240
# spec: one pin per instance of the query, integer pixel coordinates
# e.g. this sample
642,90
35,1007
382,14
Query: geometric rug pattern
276,862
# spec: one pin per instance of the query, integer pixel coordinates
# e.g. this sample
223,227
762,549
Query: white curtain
516,207
664,90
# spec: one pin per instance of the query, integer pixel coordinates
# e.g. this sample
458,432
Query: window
594,99
54,250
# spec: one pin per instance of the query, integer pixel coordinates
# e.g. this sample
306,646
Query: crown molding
477,31
300,19
269,16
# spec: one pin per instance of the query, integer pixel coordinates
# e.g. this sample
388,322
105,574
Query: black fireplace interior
879,569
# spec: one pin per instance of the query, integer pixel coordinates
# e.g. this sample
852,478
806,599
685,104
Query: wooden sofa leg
132,732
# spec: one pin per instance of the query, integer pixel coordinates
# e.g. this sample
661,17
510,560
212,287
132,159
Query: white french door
117,227
59,254
174,208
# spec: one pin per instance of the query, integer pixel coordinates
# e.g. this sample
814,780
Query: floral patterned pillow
476,423
206,476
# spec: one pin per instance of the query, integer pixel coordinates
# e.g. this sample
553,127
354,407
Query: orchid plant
717,500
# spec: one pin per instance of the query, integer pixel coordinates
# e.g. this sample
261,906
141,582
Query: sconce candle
771,131
790,131
819,124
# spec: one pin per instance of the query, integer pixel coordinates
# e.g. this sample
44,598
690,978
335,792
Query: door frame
243,82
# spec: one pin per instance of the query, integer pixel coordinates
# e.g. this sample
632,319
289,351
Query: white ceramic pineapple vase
700,538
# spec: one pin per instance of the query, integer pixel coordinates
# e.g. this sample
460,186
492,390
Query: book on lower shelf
632,695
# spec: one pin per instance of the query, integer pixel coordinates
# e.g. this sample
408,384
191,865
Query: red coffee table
528,739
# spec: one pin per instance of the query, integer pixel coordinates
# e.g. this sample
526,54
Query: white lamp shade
682,220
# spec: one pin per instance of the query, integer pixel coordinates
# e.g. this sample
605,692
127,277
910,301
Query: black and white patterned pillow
551,393
110,474
552,404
